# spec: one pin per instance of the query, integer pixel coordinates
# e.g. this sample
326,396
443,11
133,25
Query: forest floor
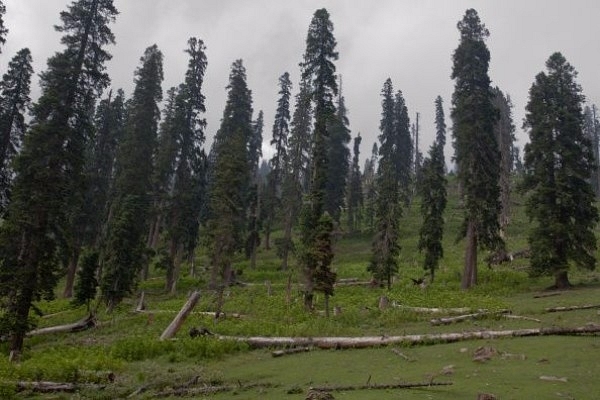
123,357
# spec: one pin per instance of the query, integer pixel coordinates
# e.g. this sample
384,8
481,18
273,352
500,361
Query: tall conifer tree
231,176
319,70
476,148
558,164
354,200
14,102
125,251
53,154
3,29
433,196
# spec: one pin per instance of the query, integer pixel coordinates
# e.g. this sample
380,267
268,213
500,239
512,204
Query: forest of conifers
98,188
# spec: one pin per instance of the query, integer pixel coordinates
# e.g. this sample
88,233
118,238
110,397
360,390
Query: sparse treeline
104,191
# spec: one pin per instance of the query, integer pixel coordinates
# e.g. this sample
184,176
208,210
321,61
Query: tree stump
384,302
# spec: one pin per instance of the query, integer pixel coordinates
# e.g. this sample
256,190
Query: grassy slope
127,344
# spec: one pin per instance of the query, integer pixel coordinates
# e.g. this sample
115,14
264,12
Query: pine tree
318,69
185,201
433,194
296,174
591,128
53,154
504,130
403,159
369,187
280,160
354,201
338,160
14,102
226,226
476,148
559,160
385,251
125,247
3,29
255,193
87,284
92,212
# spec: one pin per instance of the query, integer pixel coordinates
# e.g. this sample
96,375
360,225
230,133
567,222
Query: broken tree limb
460,310
510,316
355,283
82,325
540,296
460,318
378,386
181,316
425,339
572,308
401,354
51,387
293,350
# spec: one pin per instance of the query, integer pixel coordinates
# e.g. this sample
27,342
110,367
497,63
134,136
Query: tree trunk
268,236
181,316
469,277
84,324
287,239
425,339
326,305
71,273
561,280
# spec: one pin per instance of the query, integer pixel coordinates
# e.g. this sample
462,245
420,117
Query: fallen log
460,318
345,342
460,310
572,308
378,386
82,325
510,316
206,390
293,350
181,316
356,283
540,296
51,387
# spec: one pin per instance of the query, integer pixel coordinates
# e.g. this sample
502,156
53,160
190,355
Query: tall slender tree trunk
561,280
268,236
287,240
469,277
71,272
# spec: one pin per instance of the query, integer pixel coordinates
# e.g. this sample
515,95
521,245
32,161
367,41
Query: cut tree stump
425,339
573,308
86,323
181,316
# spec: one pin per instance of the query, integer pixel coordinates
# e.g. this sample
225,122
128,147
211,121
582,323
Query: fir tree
125,244
296,176
558,161
369,187
53,154
318,69
386,247
403,158
14,102
504,132
338,160
87,284
3,29
591,129
354,201
476,148
255,190
280,160
226,226
433,194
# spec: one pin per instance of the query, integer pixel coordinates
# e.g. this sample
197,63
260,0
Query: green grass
126,343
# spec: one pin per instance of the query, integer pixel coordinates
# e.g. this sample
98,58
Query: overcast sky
409,41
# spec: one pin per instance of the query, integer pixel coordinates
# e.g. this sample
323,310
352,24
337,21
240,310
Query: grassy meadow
123,357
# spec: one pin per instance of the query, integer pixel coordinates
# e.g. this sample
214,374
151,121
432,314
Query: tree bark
425,339
181,316
71,272
469,277
561,280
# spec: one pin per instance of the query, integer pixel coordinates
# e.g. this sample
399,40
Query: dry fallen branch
510,316
378,386
401,354
205,390
425,339
181,316
540,296
50,387
460,318
460,310
82,325
572,308
293,350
